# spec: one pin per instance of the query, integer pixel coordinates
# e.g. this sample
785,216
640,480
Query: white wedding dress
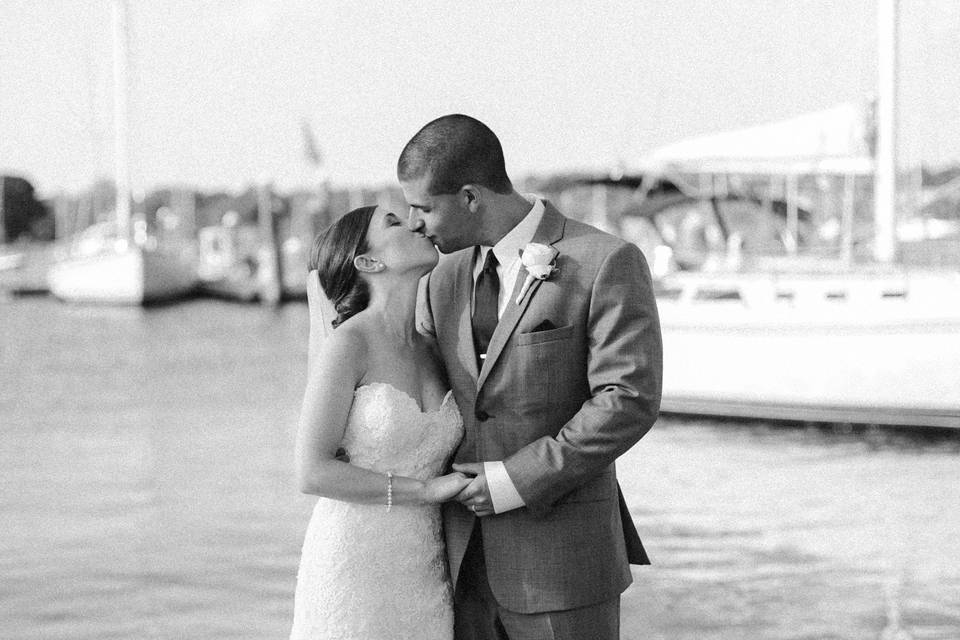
370,574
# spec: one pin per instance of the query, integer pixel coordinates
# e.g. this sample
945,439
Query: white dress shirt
503,493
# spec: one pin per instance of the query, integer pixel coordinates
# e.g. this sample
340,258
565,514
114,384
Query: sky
218,90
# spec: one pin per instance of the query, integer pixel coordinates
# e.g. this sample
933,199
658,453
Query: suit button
482,415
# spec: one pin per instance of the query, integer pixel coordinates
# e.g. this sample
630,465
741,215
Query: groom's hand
475,496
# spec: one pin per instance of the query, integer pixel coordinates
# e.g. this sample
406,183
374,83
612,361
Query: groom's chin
446,249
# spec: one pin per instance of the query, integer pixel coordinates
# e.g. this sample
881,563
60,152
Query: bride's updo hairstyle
332,256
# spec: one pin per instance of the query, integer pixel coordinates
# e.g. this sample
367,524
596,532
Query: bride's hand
444,488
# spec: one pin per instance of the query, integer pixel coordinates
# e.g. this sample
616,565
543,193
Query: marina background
146,476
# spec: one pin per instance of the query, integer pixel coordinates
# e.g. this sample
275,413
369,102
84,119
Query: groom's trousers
478,616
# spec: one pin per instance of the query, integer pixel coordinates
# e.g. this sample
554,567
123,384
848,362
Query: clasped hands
475,495
467,484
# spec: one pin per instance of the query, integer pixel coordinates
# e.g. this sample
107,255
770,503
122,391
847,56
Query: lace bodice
366,573
387,431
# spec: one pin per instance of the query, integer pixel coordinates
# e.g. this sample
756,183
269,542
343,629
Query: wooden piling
3,202
269,269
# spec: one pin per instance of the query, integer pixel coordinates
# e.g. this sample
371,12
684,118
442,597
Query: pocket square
546,325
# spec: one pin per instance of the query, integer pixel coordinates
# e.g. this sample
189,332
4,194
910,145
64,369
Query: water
148,492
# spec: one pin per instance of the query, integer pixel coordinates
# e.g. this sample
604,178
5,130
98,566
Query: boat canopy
834,141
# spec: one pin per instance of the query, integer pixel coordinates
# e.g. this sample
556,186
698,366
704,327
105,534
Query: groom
549,332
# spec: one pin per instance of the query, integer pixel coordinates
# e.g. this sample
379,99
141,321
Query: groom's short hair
454,150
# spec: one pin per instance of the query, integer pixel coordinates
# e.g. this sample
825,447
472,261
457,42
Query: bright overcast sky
218,89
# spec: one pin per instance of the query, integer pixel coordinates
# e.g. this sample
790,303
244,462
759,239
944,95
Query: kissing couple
464,411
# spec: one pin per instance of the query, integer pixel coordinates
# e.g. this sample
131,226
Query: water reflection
147,491
772,532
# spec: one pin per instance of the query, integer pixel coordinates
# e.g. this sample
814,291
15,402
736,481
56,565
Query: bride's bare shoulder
346,347
351,335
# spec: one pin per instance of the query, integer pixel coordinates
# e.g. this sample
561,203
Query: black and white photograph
512,320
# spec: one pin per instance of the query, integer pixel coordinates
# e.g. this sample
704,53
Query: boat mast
120,125
885,169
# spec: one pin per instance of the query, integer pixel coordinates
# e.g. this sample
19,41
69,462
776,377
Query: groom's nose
414,223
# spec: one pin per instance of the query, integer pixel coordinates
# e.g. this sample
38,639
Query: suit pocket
538,337
545,369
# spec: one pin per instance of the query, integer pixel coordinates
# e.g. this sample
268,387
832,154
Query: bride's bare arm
331,382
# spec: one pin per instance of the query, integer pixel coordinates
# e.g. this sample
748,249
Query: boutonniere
541,263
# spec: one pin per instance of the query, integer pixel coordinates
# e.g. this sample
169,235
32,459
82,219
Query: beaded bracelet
389,490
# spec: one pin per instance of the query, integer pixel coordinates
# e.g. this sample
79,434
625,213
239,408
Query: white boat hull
132,276
892,362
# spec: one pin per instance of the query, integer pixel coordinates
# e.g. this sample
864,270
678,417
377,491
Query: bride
373,564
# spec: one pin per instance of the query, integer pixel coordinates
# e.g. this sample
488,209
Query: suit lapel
463,294
549,232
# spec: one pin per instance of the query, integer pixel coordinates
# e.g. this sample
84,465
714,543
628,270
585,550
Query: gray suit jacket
558,406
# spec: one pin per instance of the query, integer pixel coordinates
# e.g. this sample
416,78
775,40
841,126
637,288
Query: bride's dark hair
332,256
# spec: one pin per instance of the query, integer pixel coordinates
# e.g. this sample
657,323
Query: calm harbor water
146,491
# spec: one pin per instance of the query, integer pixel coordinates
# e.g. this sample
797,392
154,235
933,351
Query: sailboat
118,263
803,338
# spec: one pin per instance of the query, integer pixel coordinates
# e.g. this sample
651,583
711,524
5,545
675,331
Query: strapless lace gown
369,574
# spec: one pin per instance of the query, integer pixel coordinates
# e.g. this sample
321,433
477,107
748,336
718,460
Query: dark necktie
485,302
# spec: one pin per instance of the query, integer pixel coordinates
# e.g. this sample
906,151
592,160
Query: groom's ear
366,264
470,196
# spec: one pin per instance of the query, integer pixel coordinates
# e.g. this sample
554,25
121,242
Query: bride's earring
366,264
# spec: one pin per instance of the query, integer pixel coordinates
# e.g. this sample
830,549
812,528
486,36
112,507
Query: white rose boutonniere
540,261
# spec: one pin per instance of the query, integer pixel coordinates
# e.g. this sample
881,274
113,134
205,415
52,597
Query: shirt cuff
503,494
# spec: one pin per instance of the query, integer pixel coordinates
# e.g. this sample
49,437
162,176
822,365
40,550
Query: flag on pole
310,147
